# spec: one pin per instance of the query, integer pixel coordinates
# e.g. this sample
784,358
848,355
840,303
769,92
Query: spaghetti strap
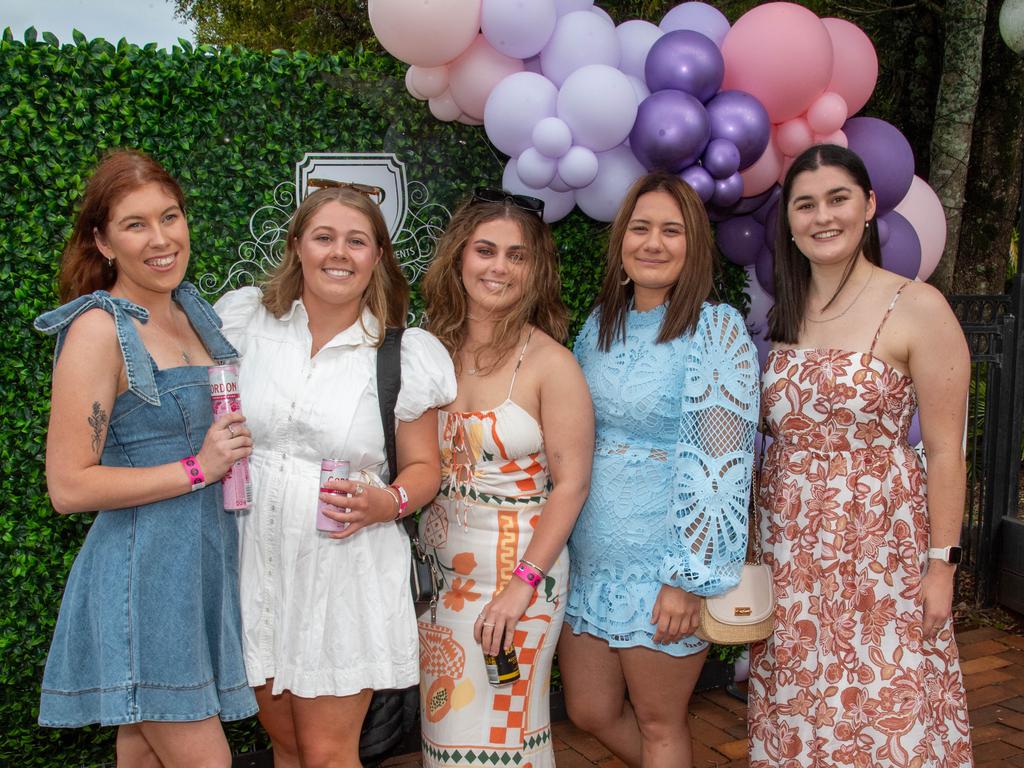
892,304
522,354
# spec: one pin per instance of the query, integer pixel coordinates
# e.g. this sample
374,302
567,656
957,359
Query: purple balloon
687,61
886,155
764,268
883,231
740,239
728,191
765,209
771,225
902,251
748,205
721,158
670,132
914,433
700,180
740,118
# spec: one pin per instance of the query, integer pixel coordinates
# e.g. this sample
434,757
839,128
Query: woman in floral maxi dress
862,667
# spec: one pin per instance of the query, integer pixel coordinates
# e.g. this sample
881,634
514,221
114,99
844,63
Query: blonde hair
387,294
445,295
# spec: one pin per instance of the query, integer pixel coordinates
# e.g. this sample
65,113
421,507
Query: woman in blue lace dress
674,383
148,633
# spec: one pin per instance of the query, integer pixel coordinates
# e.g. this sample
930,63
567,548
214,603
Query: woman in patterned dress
516,447
674,382
862,667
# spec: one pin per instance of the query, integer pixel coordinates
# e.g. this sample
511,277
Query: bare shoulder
92,340
549,354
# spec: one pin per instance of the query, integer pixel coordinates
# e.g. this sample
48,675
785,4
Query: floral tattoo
98,422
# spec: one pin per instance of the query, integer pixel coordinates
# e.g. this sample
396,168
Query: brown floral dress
846,677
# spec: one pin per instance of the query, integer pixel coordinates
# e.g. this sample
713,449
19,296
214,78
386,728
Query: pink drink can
224,395
330,469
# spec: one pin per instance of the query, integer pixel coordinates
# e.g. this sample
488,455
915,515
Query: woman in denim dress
148,633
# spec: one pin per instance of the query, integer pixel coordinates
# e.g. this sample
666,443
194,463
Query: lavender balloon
740,239
700,17
670,132
700,180
721,158
886,155
728,191
685,61
902,251
743,120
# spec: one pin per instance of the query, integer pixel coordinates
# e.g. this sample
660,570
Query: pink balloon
411,88
425,32
838,138
429,81
827,114
474,74
854,63
922,208
444,108
794,136
467,120
780,53
764,172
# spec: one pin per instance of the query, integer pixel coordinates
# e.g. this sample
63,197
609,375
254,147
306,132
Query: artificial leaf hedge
230,124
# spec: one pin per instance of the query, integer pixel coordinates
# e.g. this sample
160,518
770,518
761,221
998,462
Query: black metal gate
992,533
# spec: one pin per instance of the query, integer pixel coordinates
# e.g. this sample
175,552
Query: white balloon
578,168
639,88
599,105
635,40
444,108
430,81
580,38
535,169
552,137
617,169
518,28
556,204
514,107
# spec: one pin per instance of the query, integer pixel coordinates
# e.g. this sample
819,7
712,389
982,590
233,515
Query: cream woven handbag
745,613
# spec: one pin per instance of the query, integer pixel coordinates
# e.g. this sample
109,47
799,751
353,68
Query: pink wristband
195,473
402,497
529,573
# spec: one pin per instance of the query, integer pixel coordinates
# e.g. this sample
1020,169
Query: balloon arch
583,107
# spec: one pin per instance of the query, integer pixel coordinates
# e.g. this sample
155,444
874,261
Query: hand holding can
226,398
330,469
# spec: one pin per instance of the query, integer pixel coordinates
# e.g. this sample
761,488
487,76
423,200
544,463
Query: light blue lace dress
671,478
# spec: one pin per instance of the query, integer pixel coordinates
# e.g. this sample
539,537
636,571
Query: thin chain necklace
848,306
185,357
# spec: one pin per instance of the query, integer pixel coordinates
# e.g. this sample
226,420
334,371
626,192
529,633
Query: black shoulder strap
389,383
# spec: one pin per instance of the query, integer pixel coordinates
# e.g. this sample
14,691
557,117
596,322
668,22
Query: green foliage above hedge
230,125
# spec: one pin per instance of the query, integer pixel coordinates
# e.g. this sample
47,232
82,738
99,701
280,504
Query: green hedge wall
230,125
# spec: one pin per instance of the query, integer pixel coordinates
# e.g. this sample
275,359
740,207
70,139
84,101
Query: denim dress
149,623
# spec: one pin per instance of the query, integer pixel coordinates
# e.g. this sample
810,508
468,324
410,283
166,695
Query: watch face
956,554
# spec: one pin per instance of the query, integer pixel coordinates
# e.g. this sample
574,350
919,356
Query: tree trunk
954,120
994,177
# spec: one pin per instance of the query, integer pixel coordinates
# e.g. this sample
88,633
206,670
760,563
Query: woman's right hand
227,441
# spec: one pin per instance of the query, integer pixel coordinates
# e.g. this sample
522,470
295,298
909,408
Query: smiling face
494,267
147,238
338,252
827,214
654,248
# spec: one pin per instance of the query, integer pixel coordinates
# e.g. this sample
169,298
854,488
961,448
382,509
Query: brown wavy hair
445,295
83,269
387,294
696,281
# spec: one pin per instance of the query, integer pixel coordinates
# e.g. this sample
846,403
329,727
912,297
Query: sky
140,21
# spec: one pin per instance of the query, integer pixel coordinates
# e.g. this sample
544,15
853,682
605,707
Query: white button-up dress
322,616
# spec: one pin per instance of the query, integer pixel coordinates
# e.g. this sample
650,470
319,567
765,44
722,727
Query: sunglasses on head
523,202
372,193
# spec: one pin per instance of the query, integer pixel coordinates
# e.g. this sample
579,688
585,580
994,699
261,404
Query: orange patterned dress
846,678
495,483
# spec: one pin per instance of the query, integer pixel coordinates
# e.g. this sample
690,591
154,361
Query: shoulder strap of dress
892,305
204,321
519,362
137,365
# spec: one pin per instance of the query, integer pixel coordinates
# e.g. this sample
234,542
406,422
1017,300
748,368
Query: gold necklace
185,357
848,306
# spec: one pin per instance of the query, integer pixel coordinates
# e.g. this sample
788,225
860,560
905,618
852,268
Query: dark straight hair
695,283
792,270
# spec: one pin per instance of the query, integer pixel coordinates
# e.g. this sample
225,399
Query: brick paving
993,665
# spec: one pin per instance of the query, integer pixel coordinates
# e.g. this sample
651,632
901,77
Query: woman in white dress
328,618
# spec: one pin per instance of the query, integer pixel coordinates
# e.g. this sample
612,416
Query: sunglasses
523,202
373,193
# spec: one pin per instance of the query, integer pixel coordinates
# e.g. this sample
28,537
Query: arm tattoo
98,422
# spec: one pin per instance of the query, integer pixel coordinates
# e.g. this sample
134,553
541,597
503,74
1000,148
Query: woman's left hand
364,505
499,617
677,614
936,598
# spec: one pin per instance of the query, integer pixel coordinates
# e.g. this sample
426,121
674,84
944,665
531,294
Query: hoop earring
626,280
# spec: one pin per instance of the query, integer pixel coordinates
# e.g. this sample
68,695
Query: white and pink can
330,469
225,397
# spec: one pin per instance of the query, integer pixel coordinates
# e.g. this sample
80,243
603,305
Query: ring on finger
360,490
231,429
488,624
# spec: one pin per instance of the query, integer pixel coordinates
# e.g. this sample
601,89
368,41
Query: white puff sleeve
236,310
428,376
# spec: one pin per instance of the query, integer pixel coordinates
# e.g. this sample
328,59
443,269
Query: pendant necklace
848,306
185,357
